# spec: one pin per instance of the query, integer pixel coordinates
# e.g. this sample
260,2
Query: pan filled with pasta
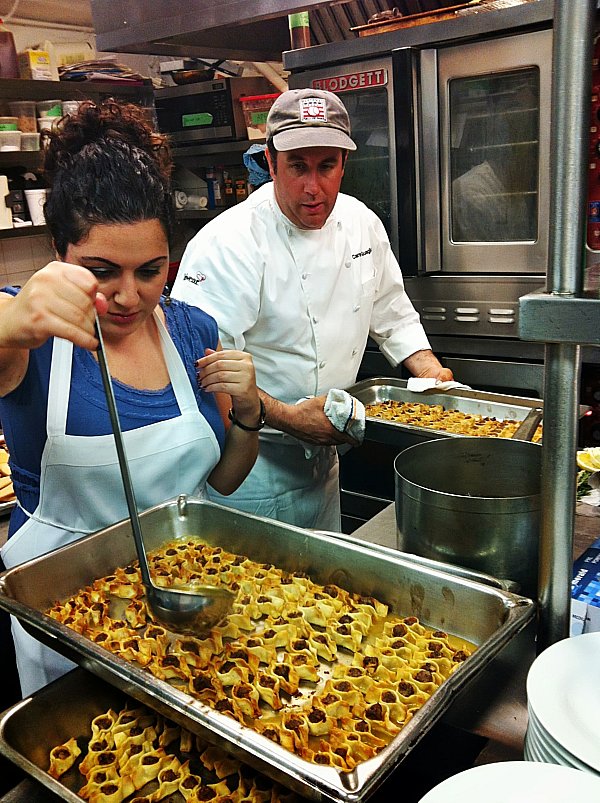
334,661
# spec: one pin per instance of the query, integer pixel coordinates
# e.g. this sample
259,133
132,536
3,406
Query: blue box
585,592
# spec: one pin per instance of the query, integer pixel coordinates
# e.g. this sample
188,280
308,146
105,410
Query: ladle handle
528,426
125,475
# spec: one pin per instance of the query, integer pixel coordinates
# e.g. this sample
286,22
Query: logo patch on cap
313,110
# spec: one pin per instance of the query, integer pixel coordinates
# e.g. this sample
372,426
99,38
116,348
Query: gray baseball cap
308,118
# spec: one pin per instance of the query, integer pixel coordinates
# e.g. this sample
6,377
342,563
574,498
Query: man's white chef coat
301,302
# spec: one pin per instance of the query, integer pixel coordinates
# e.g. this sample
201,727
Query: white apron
286,486
81,489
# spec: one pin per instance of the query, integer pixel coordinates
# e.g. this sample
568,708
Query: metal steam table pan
486,616
492,405
60,711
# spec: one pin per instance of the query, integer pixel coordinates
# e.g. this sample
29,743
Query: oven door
493,139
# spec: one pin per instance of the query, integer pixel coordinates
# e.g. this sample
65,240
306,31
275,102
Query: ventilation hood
245,30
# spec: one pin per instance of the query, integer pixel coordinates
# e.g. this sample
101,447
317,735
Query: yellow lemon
594,452
587,461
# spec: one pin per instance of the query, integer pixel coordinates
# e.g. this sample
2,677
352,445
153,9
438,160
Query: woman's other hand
231,372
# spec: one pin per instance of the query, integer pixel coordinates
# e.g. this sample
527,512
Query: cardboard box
36,65
585,592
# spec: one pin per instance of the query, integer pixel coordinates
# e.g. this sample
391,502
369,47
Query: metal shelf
22,231
549,318
215,148
23,89
31,160
199,214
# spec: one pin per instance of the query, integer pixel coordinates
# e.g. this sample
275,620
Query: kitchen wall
22,256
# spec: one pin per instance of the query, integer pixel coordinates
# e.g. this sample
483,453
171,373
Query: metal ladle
191,611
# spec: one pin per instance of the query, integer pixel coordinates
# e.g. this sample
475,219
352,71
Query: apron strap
59,387
34,517
60,380
180,381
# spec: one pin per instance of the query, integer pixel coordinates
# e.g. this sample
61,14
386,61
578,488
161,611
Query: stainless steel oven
468,109
483,136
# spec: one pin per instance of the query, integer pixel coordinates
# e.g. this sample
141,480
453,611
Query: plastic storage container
9,123
70,106
25,112
9,65
47,122
30,141
10,140
49,108
256,108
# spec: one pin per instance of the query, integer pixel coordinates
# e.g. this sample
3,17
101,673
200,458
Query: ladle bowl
193,610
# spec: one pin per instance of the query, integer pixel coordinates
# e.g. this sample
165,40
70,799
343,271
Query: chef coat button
356,307
321,365
304,275
315,319
354,352
290,232
348,263
339,224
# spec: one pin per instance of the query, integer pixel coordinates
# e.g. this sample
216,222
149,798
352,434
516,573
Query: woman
109,214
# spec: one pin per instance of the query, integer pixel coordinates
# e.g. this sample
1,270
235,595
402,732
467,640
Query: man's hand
425,364
306,421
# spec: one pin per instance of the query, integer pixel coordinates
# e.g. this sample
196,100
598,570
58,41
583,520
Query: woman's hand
231,372
230,375
58,301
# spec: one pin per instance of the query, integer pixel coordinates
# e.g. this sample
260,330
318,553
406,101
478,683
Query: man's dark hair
273,154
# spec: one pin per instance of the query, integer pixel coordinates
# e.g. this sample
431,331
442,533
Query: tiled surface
21,257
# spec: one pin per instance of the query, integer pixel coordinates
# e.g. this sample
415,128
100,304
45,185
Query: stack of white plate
563,700
516,782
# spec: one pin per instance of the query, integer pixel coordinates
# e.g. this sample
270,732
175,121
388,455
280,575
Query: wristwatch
261,419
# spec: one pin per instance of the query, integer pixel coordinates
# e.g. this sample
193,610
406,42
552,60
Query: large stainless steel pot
473,502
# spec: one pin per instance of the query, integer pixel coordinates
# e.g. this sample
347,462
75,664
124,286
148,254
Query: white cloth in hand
420,384
347,414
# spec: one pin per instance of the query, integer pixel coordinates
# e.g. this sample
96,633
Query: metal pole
571,89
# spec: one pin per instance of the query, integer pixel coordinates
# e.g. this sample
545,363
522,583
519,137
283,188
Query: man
300,275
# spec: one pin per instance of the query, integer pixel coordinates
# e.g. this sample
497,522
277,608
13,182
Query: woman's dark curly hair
105,165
